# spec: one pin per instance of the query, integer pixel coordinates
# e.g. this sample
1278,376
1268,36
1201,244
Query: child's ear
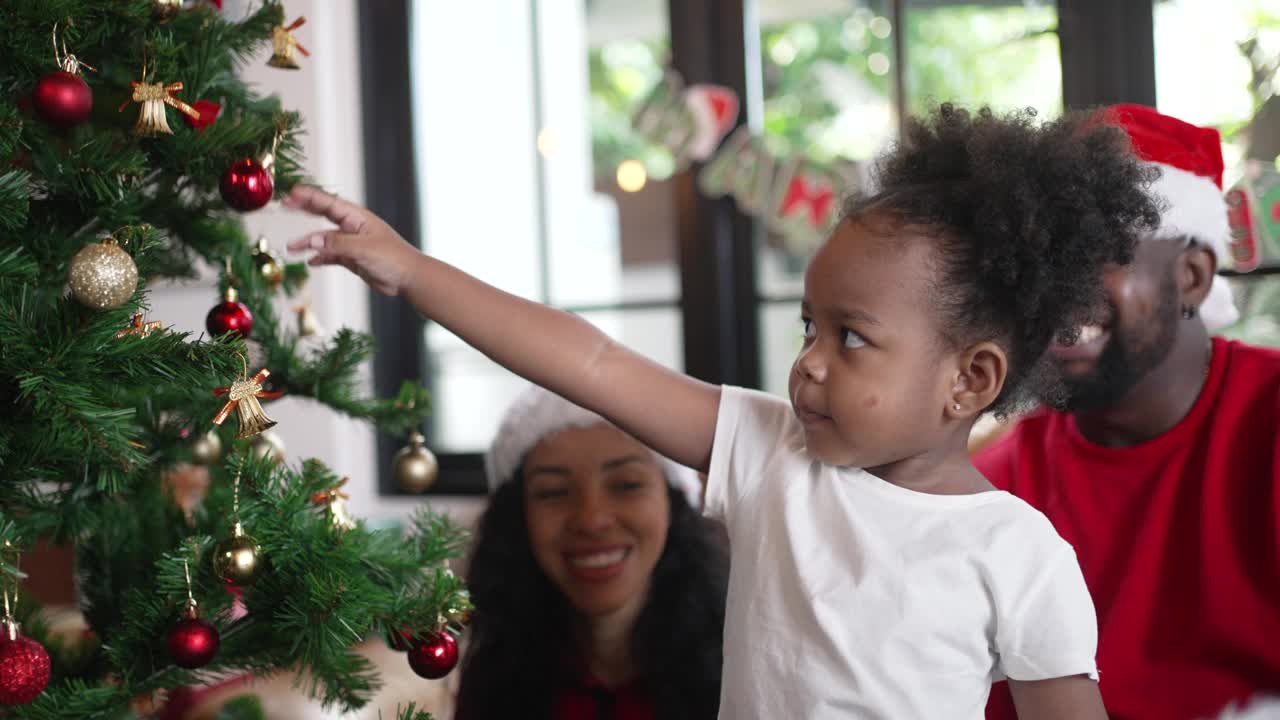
982,371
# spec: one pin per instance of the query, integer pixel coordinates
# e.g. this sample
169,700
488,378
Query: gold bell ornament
243,396
268,265
335,506
308,325
415,467
138,327
153,97
282,44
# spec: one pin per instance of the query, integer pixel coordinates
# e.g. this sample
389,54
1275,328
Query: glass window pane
829,99
477,176
518,162
472,391
610,215
1003,54
781,336
1231,81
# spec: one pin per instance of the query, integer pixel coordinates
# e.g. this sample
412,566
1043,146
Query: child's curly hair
1025,217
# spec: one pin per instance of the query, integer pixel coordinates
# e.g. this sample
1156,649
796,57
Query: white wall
327,93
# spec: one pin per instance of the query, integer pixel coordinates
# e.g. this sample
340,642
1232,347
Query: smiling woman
598,588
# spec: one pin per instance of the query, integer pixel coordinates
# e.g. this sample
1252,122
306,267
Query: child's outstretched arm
669,411
1064,698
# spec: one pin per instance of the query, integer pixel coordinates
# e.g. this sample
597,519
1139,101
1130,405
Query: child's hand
362,242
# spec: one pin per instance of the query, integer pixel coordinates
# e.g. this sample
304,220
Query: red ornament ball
229,316
63,99
247,185
24,670
193,643
434,655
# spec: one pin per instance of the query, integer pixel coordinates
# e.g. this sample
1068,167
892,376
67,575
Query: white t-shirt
851,597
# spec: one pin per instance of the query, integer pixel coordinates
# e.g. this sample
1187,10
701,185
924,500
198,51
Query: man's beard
1125,360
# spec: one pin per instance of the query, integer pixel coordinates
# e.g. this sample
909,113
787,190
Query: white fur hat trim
539,413
1193,206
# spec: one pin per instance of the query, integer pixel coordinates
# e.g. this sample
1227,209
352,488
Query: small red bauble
192,642
24,669
247,185
62,99
230,315
434,655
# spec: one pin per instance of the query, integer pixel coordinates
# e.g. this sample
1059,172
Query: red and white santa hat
1190,188
538,413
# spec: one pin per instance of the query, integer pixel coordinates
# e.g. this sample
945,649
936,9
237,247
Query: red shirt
1178,538
589,699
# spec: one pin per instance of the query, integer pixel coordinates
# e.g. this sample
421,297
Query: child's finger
348,217
311,241
325,258
325,240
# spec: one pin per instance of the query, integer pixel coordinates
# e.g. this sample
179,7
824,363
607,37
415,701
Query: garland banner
796,198
1254,213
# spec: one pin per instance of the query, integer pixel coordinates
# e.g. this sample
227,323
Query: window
1216,65
559,202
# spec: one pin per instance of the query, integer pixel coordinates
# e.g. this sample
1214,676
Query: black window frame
1107,56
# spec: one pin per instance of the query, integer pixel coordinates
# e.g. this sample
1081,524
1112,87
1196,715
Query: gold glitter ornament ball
103,275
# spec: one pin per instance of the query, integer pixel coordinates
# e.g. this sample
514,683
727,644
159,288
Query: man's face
1136,333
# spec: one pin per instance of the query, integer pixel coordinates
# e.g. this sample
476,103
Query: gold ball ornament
238,559
415,467
207,449
103,275
268,445
267,264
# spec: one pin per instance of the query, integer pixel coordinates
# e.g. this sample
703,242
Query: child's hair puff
1025,216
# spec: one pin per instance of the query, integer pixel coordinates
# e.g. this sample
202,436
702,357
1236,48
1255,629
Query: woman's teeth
1089,333
596,560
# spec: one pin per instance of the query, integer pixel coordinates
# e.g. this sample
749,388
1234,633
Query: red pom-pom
247,185
434,656
24,670
206,113
62,99
229,316
193,643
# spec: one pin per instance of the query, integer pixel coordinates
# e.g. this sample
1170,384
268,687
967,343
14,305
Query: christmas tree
129,149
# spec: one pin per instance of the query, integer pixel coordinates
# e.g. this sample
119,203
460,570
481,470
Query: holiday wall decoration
1253,206
794,196
109,442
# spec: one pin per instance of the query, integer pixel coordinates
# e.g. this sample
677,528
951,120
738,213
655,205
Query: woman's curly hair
521,632
1025,217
